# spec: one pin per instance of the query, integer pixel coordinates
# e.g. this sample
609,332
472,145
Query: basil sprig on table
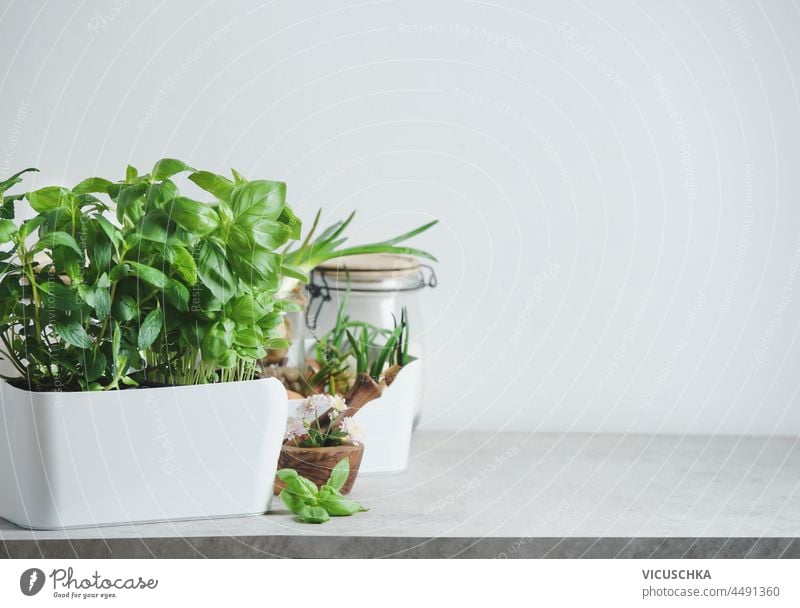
123,283
314,505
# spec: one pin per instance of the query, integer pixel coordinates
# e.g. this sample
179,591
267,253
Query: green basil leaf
86,294
225,214
94,365
339,505
72,332
339,474
277,343
205,304
148,274
116,343
51,197
100,248
257,352
291,221
247,310
92,184
28,226
297,485
313,515
150,328
257,267
125,308
309,485
119,272
214,271
167,167
238,178
57,296
271,321
129,202
177,294
112,232
56,239
7,230
239,240
7,207
128,381
183,263
219,186
68,262
268,234
193,334
292,501
250,233
158,194
131,173
248,337
157,226
102,302
195,217
63,219
132,239
89,200
288,306
14,179
217,344
259,199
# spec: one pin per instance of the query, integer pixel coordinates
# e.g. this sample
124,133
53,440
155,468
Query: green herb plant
300,260
114,284
314,505
355,347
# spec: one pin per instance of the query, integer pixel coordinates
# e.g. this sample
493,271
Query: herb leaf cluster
313,505
355,347
114,284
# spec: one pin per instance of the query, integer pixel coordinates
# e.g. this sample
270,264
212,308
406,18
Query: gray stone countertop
509,495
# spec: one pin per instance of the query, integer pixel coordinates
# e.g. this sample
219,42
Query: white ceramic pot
387,422
99,458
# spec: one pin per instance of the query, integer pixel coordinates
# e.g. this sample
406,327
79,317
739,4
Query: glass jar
376,288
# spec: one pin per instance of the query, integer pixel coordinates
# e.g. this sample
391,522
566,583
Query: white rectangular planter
77,459
387,422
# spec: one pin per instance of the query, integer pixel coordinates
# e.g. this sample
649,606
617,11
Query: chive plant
355,347
300,260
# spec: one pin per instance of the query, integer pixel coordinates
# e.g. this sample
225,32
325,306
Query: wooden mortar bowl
316,464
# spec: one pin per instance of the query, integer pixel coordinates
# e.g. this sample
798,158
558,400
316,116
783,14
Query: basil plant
114,284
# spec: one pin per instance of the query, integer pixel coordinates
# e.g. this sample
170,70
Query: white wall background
618,183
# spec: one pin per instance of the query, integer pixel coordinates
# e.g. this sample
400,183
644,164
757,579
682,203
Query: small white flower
294,428
338,403
309,409
320,401
352,429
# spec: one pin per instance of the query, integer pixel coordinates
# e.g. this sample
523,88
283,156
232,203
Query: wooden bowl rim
350,447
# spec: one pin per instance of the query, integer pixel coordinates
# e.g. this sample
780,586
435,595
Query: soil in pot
316,464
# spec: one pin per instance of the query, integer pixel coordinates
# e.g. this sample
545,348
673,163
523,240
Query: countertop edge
278,546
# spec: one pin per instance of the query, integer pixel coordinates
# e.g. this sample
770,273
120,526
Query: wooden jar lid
371,267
